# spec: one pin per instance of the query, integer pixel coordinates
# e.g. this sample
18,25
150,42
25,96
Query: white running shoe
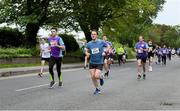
150,68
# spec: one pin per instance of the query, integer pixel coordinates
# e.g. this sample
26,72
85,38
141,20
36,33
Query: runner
120,53
173,52
141,49
110,59
56,46
169,53
107,60
164,51
159,54
151,51
85,56
45,54
95,50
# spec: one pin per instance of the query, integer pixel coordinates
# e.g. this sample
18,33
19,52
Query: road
121,91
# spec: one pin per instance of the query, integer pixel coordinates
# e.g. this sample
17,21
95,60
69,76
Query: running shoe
60,83
144,76
106,74
52,84
150,68
97,91
40,74
139,77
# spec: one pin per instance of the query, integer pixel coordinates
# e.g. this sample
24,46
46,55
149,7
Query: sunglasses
53,31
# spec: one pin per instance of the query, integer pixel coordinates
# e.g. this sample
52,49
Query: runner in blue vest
95,50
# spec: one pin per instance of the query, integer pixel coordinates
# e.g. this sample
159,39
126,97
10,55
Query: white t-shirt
45,50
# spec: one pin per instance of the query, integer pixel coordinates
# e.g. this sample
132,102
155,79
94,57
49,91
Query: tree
138,16
31,15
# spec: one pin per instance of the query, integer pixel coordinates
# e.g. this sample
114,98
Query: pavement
36,69
121,90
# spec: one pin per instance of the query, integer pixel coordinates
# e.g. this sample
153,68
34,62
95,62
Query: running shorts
96,66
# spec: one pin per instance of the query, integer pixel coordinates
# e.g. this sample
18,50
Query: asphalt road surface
121,91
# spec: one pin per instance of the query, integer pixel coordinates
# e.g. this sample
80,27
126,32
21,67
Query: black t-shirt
151,48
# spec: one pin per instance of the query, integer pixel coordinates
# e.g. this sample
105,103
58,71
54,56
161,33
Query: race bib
164,51
95,51
53,43
150,48
140,51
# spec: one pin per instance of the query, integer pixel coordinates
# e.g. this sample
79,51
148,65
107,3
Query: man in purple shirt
141,49
56,46
164,52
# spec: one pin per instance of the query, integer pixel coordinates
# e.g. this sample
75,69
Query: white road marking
33,87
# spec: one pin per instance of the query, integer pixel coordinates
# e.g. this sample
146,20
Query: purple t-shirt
56,51
164,51
138,47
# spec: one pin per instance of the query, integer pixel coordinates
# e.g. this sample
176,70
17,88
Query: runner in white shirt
45,54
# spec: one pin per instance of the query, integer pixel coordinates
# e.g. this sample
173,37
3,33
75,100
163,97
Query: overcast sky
170,15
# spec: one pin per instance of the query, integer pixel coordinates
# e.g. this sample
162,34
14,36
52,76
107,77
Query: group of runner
100,54
149,51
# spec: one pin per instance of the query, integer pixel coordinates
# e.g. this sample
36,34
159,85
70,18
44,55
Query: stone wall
34,60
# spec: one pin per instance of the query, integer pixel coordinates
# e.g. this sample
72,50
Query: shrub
70,42
10,37
14,52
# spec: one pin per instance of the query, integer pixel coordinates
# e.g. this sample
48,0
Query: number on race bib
140,51
95,51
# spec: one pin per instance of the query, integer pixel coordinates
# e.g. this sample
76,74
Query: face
150,42
53,32
94,35
140,39
105,38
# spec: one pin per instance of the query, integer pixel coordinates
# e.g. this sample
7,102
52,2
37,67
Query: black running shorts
96,66
150,55
45,59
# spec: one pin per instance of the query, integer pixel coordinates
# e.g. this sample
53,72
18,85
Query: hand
88,54
141,48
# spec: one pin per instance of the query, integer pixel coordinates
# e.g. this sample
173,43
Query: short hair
94,30
54,28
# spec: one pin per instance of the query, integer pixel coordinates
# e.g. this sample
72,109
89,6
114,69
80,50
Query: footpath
36,69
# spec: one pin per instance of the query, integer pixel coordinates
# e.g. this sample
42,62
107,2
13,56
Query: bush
15,52
131,53
70,42
11,37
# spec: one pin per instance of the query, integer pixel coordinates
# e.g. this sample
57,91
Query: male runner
95,50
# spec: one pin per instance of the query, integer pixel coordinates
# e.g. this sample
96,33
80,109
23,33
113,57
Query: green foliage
138,14
131,53
123,16
78,53
70,43
163,34
10,37
14,52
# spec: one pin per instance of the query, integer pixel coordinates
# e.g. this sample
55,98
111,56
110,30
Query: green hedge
18,52
70,42
10,37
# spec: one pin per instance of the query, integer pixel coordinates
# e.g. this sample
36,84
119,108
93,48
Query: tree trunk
31,34
87,29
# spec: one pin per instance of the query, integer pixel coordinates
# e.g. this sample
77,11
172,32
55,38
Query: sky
170,15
